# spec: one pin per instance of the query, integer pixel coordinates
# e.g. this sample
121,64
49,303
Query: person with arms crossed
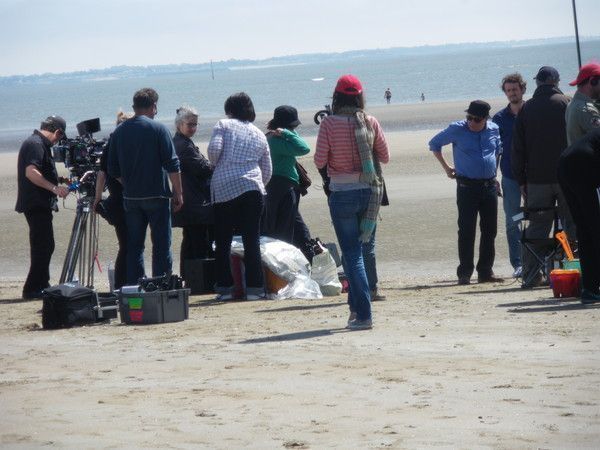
513,87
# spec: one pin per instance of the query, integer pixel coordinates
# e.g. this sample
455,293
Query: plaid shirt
240,154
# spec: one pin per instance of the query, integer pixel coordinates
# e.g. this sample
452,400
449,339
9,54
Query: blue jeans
138,215
346,208
370,262
512,206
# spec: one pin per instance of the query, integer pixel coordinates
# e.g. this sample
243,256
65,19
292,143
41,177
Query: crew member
141,155
579,178
583,115
475,146
37,197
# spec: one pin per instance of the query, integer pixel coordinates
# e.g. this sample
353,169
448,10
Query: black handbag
304,179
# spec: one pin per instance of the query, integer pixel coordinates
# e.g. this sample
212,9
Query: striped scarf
370,170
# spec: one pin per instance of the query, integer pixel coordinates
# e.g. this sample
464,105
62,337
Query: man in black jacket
579,176
538,141
36,198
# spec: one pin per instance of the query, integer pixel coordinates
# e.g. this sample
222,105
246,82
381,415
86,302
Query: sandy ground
446,366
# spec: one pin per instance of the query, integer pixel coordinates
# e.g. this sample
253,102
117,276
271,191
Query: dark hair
145,98
239,106
514,78
49,126
340,100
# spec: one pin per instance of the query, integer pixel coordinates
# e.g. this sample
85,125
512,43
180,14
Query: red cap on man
587,71
349,85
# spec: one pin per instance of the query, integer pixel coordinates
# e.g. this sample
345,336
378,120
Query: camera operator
141,153
37,198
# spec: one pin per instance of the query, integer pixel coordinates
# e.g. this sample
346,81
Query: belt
476,181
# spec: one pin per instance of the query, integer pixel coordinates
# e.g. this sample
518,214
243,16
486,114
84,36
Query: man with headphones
36,198
582,114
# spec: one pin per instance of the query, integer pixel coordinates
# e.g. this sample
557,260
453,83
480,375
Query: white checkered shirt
240,154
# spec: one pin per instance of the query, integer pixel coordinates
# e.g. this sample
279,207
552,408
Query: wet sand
446,366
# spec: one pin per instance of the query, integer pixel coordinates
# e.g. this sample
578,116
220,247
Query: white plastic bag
287,262
324,272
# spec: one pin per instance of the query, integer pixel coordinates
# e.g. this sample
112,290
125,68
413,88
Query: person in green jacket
283,190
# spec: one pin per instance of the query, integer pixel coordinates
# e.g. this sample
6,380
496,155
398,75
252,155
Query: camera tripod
83,245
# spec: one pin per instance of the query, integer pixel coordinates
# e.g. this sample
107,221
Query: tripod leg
74,249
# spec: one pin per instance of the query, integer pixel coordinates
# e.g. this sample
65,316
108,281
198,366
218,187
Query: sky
38,36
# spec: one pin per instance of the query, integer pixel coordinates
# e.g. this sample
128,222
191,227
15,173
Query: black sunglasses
475,119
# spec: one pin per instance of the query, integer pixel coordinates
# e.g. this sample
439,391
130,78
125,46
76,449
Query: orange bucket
565,283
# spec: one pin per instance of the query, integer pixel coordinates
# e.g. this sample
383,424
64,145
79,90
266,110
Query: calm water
458,75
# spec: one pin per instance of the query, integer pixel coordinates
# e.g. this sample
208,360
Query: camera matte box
154,307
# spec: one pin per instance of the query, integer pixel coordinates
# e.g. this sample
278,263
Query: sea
446,74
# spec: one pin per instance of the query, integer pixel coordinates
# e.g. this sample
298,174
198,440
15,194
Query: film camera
81,155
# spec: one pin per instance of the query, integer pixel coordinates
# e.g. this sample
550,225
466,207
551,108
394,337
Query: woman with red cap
351,145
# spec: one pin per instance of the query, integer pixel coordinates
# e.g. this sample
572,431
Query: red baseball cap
349,85
587,71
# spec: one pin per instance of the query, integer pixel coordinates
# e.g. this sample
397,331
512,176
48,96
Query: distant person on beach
37,191
283,190
196,217
476,146
422,97
351,145
583,115
579,178
514,88
387,95
538,140
142,157
240,155
112,209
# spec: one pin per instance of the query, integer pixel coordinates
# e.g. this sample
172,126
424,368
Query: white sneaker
255,297
518,272
224,297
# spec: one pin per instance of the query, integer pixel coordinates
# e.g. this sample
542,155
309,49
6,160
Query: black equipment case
71,304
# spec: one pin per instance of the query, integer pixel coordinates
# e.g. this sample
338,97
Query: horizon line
299,55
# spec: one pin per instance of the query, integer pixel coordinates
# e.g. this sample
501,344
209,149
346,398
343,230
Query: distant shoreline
393,118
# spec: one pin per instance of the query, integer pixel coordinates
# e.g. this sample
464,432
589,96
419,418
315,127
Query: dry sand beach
446,366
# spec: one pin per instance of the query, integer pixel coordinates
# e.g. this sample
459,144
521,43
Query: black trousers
196,244
121,260
579,178
41,245
473,198
281,206
242,214
302,238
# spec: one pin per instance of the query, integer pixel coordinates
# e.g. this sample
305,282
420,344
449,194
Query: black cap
284,116
547,73
479,108
56,122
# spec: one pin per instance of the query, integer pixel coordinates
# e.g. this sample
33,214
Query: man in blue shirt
513,87
141,155
475,148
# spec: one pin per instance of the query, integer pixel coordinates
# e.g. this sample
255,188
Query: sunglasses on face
475,119
192,124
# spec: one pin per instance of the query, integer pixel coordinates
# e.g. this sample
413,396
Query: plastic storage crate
154,307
